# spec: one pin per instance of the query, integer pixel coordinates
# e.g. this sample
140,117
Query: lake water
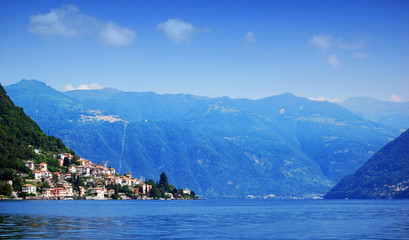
205,219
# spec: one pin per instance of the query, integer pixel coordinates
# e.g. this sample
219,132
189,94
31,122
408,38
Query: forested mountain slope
221,147
385,175
19,137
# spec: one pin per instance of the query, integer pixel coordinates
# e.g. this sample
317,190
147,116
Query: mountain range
280,146
385,175
393,114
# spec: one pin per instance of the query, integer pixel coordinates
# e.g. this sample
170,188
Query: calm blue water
207,219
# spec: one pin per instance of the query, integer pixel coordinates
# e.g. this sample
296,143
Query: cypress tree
163,182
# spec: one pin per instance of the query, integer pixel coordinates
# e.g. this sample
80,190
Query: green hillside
19,137
385,175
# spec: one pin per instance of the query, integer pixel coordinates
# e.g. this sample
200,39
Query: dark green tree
45,185
154,192
5,189
150,182
163,182
77,181
66,162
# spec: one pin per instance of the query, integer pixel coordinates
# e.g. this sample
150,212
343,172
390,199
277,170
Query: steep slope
341,140
44,104
19,136
283,145
385,175
393,114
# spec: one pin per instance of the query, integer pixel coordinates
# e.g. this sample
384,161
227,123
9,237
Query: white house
43,166
69,191
72,169
30,164
84,170
47,192
28,188
45,173
37,175
65,155
99,192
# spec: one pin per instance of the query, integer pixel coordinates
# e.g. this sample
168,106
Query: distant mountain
19,137
393,114
282,145
385,175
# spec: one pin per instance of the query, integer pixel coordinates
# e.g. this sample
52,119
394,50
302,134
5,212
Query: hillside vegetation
385,175
19,137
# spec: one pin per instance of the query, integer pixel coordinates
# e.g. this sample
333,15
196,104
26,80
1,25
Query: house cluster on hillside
60,185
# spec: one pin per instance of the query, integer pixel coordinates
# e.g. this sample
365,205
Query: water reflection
205,220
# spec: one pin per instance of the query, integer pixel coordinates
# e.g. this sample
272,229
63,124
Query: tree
150,182
45,185
77,181
17,183
5,189
154,192
66,162
163,182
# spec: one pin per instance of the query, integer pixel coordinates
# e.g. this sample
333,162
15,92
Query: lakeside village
79,178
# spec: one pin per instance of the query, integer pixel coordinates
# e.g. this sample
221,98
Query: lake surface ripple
205,219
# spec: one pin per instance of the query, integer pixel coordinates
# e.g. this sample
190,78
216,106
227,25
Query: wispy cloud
396,98
249,37
326,41
69,21
321,41
91,86
113,34
177,30
334,62
361,55
322,99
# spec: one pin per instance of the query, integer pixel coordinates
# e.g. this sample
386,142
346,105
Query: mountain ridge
385,175
392,114
228,147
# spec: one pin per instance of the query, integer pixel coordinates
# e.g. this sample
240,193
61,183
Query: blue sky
242,49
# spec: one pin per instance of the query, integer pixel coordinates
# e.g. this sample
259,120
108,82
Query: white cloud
323,41
64,21
361,55
177,30
68,87
323,99
334,62
113,34
249,37
69,21
395,98
91,86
